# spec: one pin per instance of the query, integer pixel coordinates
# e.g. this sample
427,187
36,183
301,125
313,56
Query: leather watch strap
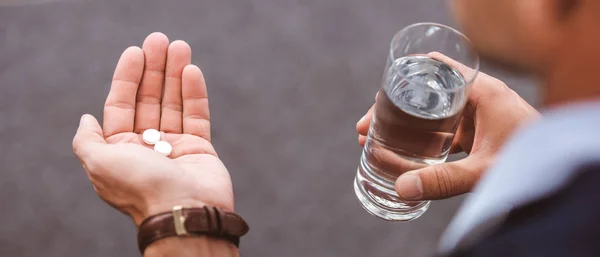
209,221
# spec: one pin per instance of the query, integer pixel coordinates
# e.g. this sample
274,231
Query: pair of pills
152,137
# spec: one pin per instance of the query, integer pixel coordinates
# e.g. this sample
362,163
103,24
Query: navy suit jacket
566,223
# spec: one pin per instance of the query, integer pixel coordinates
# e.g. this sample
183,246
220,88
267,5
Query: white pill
163,148
151,136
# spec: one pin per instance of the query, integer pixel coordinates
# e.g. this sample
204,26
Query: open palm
154,87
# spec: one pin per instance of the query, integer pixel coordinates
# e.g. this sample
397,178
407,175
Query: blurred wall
288,79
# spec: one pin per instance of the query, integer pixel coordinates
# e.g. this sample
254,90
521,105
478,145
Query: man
538,196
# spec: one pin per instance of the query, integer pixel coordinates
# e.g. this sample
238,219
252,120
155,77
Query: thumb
89,134
439,181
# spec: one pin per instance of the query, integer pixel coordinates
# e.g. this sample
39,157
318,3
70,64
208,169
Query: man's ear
565,8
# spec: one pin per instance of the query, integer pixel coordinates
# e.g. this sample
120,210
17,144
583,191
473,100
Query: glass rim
419,24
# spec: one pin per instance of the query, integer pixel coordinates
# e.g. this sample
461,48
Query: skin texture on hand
492,113
128,174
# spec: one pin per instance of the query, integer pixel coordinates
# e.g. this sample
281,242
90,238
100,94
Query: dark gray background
288,79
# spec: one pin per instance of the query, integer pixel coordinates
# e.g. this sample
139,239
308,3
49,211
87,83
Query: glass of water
425,86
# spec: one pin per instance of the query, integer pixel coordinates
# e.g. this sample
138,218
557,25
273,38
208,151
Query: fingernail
83,117
409,186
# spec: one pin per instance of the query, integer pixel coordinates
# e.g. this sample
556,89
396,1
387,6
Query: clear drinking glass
429,71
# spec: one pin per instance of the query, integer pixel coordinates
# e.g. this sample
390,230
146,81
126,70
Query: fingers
362,140
179,55
88,134
147,114
467,72
456,147
196,115
119,109
465,136
441,180
390,162
362,127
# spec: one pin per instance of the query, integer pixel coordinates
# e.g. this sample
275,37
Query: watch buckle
179,221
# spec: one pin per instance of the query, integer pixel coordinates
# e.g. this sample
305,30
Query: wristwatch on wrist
207,221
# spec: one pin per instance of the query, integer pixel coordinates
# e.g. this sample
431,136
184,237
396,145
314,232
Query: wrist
201,246
152,209
211,225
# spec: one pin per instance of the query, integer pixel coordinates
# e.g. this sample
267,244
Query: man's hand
492,113
127,173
